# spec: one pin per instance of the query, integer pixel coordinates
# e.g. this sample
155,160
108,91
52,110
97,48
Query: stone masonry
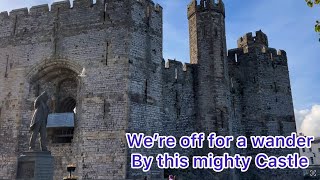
126,86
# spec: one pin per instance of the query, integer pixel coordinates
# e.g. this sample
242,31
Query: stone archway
60,78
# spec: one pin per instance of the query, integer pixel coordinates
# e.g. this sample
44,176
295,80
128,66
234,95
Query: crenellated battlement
83,14
204,6
245,54
250,46
250,40
149,3
55,7
19,12
174,64
61,6
40,9
177,71
67,5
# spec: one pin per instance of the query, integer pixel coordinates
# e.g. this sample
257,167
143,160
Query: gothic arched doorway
61,81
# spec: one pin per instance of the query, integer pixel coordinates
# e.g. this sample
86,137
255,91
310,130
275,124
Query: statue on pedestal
39,122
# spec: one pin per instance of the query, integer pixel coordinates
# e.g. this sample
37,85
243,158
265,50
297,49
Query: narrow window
107,53
312,160
275,87
15,25
7,64
231,82
236,57
222,119
146,90
104,109
176,73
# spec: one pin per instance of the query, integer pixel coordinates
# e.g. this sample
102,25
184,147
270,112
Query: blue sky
288,23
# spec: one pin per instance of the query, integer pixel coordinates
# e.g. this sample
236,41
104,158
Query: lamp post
71,168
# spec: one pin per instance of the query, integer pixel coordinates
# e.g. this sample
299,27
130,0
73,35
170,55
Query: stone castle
102,64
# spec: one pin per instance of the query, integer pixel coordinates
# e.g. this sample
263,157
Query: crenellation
272,51
238,52
282,53
188,67
260,39
4,15
158,8
205,5
150,4
82,3
60,6
40,9
174,64
19,12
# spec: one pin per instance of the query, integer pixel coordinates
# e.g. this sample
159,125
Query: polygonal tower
208,53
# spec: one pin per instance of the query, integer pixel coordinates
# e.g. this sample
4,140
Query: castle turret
261,99
247,40
208,53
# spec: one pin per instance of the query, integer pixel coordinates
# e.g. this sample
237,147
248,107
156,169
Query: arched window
67,105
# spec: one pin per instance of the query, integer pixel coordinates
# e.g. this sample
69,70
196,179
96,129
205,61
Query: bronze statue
39,122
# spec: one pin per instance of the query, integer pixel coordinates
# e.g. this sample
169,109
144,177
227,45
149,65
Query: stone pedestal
35,166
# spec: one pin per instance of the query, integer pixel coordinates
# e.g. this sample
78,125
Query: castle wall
145,80
179,99
179,111
125,86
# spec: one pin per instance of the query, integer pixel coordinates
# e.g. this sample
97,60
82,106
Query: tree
311,3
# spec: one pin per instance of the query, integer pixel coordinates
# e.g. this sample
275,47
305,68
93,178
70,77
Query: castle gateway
102,66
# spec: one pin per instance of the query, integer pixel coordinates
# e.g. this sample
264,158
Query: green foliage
311,3
317,26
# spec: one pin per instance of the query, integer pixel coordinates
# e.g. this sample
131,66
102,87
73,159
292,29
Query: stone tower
208,54
261,98
103,59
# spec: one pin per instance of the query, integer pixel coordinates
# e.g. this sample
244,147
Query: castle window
107,52
146,90
0,116
236,57
310,149
222,118
6,73
303,150
231,82
318,148
204,33
67,105
176,73
312,160
275,87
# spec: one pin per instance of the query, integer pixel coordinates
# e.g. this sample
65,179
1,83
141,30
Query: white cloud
308,121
